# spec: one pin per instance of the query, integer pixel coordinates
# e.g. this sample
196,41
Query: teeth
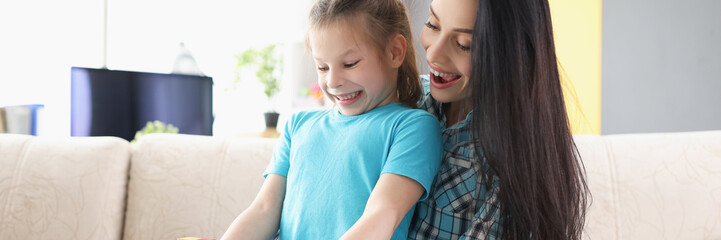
439,74
352,95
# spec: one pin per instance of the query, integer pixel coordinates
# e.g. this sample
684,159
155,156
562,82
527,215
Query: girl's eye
431,26
322,69
350,65
464,48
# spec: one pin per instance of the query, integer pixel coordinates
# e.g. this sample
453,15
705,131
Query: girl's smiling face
352,72
446,38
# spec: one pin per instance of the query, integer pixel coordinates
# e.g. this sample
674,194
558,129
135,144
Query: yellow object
577,33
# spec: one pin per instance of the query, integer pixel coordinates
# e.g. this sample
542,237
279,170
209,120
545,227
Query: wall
418,14
661,66
577,33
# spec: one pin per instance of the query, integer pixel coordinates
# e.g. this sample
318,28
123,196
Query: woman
510,168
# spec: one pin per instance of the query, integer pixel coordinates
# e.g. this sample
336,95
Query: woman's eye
463,47
431,26
322,69
350,65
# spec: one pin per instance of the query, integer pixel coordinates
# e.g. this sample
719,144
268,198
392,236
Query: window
43,39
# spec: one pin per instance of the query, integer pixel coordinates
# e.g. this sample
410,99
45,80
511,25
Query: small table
269,132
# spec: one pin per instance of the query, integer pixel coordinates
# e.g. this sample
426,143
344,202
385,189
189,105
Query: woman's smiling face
446,38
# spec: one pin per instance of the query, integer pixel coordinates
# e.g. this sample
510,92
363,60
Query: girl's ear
397,50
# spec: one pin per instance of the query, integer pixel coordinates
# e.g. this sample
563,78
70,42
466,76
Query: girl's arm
392,197
261,219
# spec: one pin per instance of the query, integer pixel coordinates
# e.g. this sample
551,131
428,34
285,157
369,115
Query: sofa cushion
62,188
184,185
668,185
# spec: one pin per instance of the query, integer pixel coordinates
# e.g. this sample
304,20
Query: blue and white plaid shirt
459,206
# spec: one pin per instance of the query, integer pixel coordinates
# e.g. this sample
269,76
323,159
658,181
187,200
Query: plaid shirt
459,205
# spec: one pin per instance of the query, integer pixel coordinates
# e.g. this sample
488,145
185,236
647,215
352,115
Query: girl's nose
334,79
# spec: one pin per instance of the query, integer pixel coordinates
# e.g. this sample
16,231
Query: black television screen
119,103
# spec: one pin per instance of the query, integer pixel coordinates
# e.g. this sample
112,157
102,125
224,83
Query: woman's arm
392,197
261,219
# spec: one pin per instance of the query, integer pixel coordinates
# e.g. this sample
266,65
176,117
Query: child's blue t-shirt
332,163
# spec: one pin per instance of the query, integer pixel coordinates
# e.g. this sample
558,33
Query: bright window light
43,39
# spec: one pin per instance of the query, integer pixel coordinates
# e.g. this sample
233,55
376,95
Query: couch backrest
62,188
192,186
653,186
644,186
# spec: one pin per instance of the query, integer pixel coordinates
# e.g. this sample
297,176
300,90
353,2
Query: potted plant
267,64
154,127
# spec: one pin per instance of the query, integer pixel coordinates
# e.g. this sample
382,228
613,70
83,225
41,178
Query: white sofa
644,186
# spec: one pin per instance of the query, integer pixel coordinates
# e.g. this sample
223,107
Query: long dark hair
520,123
381,20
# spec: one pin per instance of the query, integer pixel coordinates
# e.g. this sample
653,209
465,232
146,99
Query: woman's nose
436,50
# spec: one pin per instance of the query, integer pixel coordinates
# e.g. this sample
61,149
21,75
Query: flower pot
271,119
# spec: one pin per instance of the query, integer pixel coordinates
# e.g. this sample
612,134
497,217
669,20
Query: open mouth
444,77
441,79
349,98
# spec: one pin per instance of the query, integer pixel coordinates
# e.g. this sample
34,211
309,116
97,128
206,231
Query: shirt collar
435,107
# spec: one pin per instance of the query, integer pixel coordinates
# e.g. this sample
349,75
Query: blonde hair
381,20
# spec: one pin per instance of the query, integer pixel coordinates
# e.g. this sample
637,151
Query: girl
354,172
510,167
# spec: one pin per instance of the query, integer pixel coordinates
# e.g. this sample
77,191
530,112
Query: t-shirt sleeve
416,150
280,161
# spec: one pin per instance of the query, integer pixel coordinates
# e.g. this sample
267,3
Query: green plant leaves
155,127
265,62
